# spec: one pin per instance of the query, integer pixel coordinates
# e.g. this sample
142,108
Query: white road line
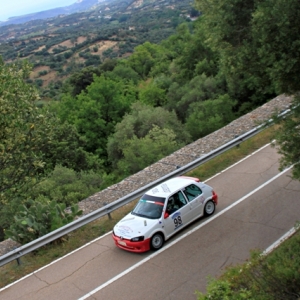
238,162
55,261
181,237
279,241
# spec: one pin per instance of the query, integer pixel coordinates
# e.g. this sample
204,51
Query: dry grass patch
49,77
81,39
102,46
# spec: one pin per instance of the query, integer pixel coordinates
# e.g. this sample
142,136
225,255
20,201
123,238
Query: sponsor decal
124,231
165,188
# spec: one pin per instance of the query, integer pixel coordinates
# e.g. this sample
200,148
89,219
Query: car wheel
209,208
157,241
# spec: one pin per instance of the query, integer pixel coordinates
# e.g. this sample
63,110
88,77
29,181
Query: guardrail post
238,145
109,216
18,259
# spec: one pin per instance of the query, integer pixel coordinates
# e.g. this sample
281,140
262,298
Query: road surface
257,205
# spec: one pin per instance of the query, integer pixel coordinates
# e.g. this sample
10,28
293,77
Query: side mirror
166,215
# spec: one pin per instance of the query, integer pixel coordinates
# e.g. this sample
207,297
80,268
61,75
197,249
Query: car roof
172,185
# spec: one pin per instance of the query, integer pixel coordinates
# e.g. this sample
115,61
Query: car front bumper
128,245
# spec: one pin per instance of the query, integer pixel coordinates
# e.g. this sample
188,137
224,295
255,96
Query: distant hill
78,6
59,46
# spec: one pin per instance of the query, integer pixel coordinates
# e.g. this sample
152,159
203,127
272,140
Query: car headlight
137,239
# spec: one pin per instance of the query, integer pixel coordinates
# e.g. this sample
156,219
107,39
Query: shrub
67,186
37,219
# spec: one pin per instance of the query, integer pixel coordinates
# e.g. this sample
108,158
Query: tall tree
96,111
227,26
137,125
143,58
78,81
142,152
276,27
32,140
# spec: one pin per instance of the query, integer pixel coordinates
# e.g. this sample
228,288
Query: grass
33,261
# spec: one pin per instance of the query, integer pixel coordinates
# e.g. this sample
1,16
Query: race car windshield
148,209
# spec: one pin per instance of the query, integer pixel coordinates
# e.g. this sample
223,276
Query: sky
14,8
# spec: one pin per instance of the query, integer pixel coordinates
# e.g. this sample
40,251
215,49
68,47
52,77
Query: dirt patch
79,59
35,72
51,76
81,39
41,68
102,46
40,48
47,78
67,44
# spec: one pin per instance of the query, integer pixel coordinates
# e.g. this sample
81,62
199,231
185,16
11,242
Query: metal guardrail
27,248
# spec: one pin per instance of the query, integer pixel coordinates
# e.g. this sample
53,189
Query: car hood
133,226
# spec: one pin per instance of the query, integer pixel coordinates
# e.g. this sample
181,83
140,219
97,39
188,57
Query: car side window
175,202
192,192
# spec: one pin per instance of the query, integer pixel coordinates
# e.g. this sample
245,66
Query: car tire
157,241
209,208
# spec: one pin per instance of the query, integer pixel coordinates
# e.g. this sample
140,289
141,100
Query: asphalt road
257,205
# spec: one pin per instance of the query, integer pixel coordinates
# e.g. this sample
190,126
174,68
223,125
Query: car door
178,216
195,198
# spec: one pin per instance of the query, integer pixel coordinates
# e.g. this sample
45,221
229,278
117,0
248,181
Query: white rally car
163,211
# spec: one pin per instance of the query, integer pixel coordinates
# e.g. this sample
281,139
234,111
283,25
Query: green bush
66,186
37,219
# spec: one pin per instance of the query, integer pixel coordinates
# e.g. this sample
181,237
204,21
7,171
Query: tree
124,72
288,139
209,115
96,111
142,152
23,129
143,58
227,27
151,94
38,219
32,140
200,88
194,51
275,30
138,124
81,79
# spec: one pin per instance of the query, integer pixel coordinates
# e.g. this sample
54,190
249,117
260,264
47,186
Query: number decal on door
177,220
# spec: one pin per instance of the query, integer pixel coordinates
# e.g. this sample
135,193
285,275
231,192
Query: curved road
257,205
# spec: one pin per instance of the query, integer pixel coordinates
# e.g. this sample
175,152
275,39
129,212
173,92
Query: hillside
58,46
78,6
